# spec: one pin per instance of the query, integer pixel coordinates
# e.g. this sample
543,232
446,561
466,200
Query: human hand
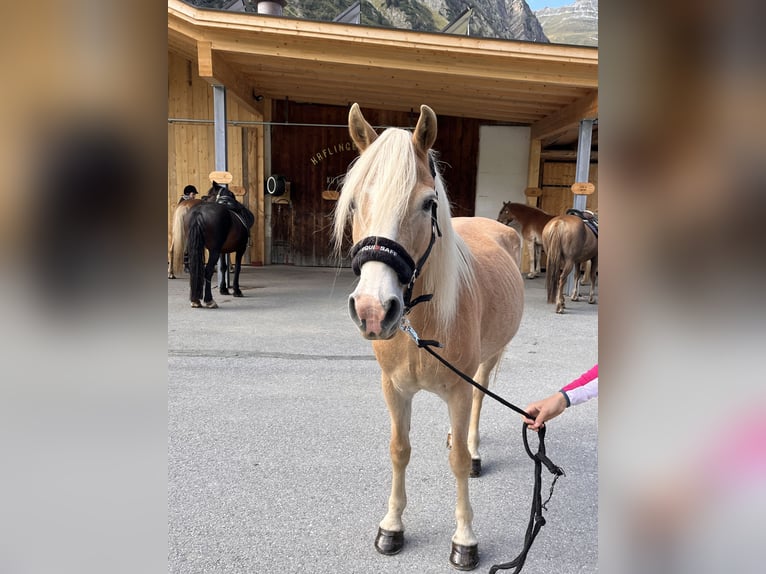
544,410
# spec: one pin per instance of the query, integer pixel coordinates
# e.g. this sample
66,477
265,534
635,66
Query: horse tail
196,249
178,238
552,245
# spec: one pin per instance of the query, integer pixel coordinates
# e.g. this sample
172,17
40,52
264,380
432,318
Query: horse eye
429,204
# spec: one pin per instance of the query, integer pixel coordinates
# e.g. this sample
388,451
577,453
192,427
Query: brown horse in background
529,222
568,243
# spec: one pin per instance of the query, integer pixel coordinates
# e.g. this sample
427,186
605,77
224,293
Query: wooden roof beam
583,109
216,71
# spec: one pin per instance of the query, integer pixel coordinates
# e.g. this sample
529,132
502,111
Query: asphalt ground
278,438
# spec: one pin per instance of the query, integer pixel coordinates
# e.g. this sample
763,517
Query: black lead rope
536,518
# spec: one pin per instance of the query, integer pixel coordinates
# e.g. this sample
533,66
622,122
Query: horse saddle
243,213
588,218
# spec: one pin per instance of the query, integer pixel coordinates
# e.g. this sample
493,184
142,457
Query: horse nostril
352,310
393,311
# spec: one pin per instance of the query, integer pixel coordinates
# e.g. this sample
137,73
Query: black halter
388,251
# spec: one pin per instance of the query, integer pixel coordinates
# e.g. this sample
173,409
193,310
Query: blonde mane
386,173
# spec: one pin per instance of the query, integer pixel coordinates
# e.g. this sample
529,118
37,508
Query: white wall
503,165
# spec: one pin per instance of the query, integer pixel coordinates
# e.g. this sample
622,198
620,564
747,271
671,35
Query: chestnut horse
396,202
568,243
529,221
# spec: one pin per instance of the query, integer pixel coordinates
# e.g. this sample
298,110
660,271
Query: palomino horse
178,234
568,243
220,226
531,222
396,202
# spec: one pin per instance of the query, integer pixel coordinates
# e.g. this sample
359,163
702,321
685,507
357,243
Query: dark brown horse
529,222
568,243
220,226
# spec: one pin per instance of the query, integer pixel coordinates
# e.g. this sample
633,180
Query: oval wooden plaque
583,188
221,177
330,195
533,192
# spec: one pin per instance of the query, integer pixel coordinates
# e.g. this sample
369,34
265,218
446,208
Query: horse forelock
384,178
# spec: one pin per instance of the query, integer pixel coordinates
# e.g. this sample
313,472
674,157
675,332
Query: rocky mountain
507,19
576,23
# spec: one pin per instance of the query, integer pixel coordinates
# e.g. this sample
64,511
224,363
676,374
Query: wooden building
289,84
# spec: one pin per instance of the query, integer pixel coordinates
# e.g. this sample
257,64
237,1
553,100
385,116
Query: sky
536,5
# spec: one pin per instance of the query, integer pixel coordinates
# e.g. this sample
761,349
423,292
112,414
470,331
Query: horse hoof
238,293
171,276
389,542
475,468
223,291
211,304
464,557
195,304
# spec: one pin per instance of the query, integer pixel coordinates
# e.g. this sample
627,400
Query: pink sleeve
583,379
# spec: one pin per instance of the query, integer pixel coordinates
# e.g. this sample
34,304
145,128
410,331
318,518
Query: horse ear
425,130
361,132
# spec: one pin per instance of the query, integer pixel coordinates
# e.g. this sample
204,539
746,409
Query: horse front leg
538,258
223,273
575,296
237,268
390,538
465,545
593,271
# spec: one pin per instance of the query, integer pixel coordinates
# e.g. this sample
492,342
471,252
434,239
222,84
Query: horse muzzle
376,319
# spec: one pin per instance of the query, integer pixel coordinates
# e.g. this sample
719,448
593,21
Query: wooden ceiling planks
331,63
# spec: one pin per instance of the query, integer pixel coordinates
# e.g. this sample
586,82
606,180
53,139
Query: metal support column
221,158
583,160
582,170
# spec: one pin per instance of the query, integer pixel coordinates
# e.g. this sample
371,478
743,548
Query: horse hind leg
531,252
482,377
207,299
568,266
171,275
390,537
